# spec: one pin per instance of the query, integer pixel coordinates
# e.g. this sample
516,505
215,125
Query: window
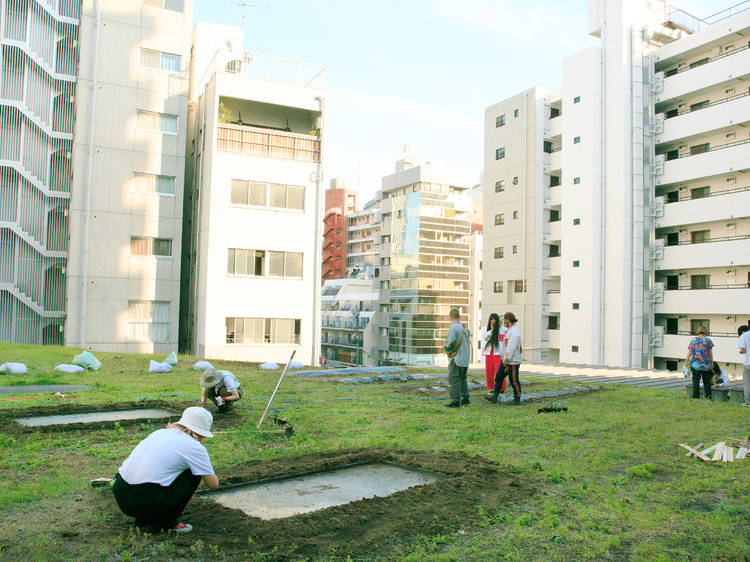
576,263
499,186
263,330
554,250
576,140
515,113
500,153
499,219
500,121
554,181
700,105
699,148
143,246
519,286
576,181
554,215
497,287
284,264
159,60
577,99
515,215
553,322
498,253
699,323
280,196
160,122
700,192
246,262
148,321
576,222
174,5
151,183
515,180
576,306
700,281
515,249
574,348
700,236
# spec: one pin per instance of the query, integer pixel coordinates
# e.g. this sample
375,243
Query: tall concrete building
363,242
593,236
93,99
424,260
340,203
348,307
251,256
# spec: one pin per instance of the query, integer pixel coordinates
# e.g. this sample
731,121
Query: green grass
612,481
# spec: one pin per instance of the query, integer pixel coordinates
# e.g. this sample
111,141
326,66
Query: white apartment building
593,236
348,306
363,242
253,203
93,100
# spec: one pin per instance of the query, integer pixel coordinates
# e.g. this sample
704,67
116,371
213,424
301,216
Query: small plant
225,114
645,470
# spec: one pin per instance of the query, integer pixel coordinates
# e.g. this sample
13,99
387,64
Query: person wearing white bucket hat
221,387
157,480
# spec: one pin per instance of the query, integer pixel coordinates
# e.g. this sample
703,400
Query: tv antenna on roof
243,5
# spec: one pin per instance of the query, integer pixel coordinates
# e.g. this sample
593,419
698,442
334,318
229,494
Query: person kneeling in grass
157,480
221,387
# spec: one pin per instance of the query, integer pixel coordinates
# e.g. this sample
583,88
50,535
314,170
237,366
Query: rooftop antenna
243,5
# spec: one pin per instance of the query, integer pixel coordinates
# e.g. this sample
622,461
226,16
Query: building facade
340,203
362,242
604,173
348,306
252,248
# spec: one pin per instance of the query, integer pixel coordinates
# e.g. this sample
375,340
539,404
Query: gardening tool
288,431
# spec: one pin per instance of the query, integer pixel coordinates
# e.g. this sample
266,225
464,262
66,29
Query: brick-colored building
340,202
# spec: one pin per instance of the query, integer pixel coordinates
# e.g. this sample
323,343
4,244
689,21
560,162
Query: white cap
197,419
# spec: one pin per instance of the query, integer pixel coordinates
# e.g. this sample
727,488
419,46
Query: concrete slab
285,498
92,417
37,388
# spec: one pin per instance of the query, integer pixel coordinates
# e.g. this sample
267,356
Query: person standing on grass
458,349
221,387
743,345
492,349
512,357
701,361
157,480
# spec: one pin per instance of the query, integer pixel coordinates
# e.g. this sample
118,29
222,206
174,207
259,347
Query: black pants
512,374
707,377
227,405
155,507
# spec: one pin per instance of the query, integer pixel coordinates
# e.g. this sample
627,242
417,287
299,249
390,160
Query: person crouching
221,387
157,480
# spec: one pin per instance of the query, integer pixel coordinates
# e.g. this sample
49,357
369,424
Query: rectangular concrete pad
285,498
92,417
39,388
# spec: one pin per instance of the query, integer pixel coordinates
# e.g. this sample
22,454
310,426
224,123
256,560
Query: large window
263,263
152,183
148,321
261,194
144,246
263,330
153,121
174,5
162,61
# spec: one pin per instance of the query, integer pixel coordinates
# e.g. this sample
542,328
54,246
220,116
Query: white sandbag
202,366
269,366
68,368
296,365
156,367
13,368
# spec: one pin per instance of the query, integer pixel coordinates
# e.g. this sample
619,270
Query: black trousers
512,374
153,506
226,406
707,377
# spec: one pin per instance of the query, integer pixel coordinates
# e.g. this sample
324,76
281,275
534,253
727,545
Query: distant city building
362,243
251,288
348,307
424,260
340,203
617,219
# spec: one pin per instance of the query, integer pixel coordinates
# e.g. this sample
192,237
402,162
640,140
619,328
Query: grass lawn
604,480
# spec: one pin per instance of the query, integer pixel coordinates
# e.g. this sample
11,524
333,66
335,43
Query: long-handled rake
288,430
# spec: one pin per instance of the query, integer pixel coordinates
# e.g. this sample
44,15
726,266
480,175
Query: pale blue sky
417,71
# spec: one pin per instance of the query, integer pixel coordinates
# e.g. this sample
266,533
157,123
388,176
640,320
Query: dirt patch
9,425
364,527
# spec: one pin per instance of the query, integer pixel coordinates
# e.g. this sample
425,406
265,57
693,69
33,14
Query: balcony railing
704,151
711,335
707,240
674,113
256,141
691,288
707,60
689,197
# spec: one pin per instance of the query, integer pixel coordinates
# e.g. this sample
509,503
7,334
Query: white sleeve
513,343
198,460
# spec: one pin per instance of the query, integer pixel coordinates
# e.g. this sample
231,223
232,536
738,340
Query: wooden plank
694,452
718,452
741,453
724,454
711,448
698,446
730,454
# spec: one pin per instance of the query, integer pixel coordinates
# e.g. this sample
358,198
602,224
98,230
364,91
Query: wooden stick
698,446
694,452
741,453
718,452
711,448
724,454
730,454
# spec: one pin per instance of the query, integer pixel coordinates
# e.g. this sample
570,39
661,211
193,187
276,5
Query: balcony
721,159
553,299
551,338
554,229
715,115
555,196
717,252
676,345
553,160
554,266
257,141
718,206
554,126
716,70
718,299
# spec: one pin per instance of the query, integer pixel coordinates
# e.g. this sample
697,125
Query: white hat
197,419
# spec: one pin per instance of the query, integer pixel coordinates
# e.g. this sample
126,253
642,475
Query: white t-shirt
163,456
744,341
228,381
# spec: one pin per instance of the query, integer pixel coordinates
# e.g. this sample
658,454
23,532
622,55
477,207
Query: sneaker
100,482
453,405
182,528
491,398
465,402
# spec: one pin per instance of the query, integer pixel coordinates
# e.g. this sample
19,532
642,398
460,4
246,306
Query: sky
418,72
